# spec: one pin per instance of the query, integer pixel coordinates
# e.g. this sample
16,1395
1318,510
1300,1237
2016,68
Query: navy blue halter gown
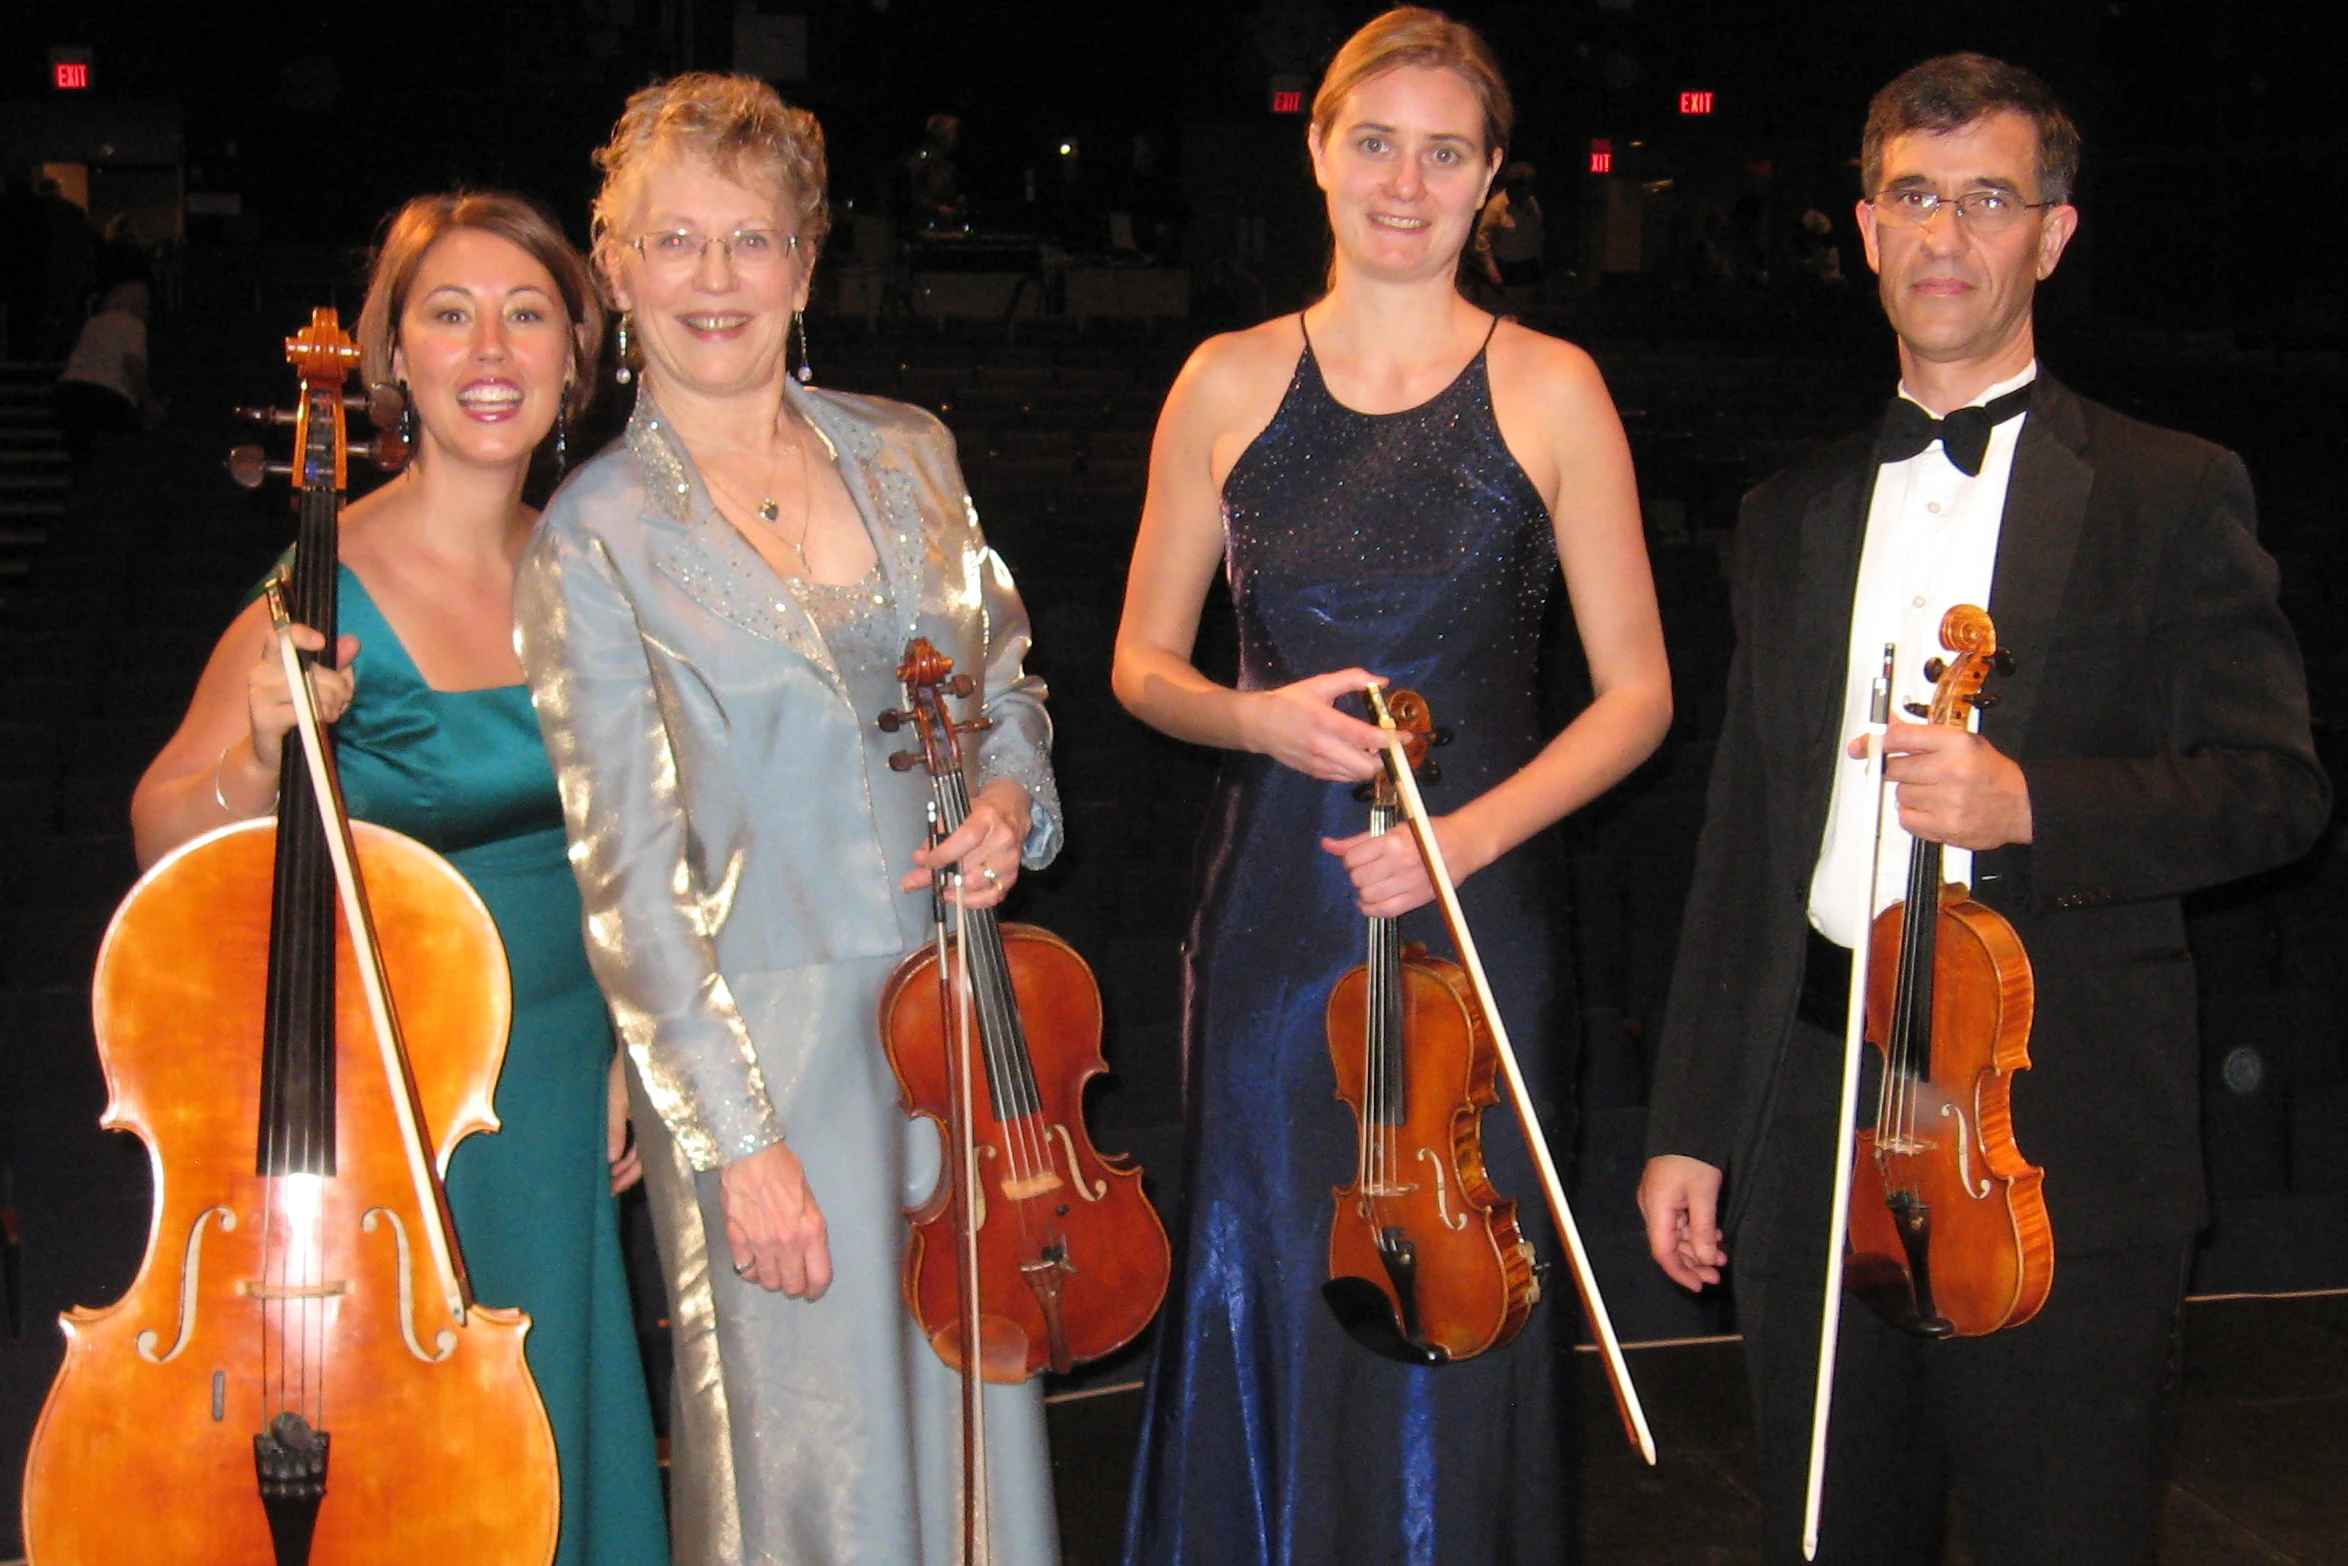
1413,545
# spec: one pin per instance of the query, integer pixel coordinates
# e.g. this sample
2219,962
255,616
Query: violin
1949,1232
1400,773
1938,1222
1426,1262
1069,1259
298,1371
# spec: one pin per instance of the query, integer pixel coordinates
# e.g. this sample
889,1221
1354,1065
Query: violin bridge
1026,1188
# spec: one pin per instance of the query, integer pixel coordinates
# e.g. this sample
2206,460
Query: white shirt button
1917,601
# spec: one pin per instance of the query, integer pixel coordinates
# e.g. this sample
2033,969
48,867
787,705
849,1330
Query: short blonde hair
740,126
423,223
1415,36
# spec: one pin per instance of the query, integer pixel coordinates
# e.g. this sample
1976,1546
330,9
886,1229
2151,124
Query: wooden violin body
1989,1262
1426,1261
145,1450
1949,1235
993,1034
1073,1262
1421,1225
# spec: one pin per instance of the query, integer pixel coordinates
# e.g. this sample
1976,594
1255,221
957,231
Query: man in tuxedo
2153,739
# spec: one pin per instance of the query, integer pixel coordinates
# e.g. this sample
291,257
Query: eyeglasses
1983,211
751,250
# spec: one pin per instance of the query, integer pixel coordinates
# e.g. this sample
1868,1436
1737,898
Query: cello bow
1414,806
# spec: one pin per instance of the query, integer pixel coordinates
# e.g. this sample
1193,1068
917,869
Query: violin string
1374,1070
984,960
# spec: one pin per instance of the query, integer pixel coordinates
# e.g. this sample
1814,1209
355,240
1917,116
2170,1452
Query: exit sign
1601,157
69,69
1695,103
1287,95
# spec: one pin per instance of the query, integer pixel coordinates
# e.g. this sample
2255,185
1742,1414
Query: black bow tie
1964,434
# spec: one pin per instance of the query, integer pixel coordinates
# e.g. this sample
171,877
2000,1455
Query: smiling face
1960,299
484,348
1405,168
716,325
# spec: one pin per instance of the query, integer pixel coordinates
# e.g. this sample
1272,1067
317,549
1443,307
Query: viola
1426,1262
1949,1231
1069,1259
298,1370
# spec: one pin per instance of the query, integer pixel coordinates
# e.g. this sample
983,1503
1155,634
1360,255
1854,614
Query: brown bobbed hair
1415,36
740,126
423,223
1952,91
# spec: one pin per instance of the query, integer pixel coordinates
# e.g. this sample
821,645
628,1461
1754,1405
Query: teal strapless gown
465,773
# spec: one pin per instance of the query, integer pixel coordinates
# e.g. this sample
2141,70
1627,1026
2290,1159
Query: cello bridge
253,1289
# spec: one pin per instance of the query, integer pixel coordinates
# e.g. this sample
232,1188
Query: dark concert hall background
1135,178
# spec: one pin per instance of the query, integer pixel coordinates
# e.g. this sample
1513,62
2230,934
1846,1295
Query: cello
1070,1259
298,1371
1426,1262
1939,1223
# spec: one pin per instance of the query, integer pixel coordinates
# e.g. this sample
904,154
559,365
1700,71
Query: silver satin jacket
715,777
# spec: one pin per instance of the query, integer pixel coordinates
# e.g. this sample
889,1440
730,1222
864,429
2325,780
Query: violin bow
960,1005
326,789
1846,1136
1618,1370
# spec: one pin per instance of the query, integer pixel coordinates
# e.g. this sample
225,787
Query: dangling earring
625,373
562,432
806,371
407,418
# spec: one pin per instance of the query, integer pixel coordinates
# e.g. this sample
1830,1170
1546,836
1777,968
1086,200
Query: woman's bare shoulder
1548,370
1241,366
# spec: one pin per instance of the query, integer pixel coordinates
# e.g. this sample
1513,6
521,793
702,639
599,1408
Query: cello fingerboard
296,1132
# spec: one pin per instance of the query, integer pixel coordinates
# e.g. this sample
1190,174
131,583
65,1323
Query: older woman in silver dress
711,616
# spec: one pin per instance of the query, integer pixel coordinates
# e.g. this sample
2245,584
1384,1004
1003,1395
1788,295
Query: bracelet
221,794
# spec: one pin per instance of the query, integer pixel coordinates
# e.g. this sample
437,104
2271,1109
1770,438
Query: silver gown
738,836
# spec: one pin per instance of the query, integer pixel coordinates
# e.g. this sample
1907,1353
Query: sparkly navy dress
1413,545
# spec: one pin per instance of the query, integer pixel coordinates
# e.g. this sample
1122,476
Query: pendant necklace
769,510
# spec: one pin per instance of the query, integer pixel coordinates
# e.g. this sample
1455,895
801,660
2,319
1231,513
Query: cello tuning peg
1984,700
904,760
974,726
357,404
892,720
1430,774
1934,668
1916,709
1439,737
2003,661
961,685
1365,794
266,415
249,466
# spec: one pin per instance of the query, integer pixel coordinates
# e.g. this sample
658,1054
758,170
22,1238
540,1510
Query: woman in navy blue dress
1390,480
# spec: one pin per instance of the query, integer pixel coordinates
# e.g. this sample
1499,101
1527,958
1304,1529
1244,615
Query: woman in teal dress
484,319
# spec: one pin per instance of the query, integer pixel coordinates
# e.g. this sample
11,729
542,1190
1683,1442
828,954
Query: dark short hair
1955,90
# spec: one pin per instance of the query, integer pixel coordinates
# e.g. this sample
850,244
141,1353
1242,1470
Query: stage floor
2260,1477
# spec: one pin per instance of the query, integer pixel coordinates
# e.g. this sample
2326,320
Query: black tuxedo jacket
2159,713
